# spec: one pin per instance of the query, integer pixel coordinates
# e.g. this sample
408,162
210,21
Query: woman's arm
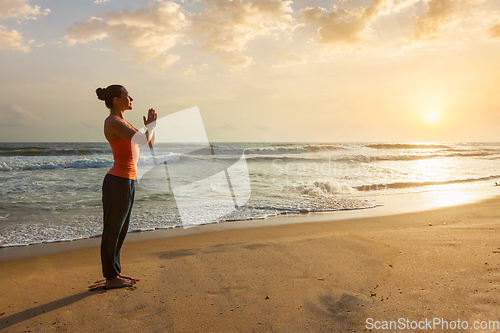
115,127
118,129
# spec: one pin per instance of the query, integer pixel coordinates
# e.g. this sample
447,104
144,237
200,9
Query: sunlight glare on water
433,169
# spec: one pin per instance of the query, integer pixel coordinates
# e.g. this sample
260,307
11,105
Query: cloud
225,27
437,15
261,128
225,127
289,59
494,31
190,70
17,9
343,27
101,1
150,32
349,26
20,9
14,115
88,30
13,40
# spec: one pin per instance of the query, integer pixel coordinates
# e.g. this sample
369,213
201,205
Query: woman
118,187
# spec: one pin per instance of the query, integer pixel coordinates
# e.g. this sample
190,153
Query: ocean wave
62,162
162,147
283,149
277,160
48,151
366,158
405,185
43,165
416,157
322,188
407,146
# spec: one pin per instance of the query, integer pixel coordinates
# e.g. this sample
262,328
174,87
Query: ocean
51,192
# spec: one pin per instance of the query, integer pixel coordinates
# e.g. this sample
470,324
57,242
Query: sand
329,276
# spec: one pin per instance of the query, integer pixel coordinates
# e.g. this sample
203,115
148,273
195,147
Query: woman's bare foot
118,282
128,278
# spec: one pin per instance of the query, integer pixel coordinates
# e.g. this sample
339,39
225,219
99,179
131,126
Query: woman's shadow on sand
94,289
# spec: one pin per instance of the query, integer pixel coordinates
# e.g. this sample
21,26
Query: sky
259,70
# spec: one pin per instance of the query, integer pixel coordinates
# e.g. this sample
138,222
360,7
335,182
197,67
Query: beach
352,274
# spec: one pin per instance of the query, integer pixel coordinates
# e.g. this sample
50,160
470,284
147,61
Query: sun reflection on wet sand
451,198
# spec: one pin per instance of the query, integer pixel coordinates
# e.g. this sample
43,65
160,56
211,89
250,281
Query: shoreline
391,204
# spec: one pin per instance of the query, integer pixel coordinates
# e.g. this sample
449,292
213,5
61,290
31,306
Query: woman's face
124,102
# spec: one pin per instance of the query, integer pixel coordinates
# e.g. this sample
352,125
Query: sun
432,117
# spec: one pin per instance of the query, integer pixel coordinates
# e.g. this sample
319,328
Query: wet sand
328,276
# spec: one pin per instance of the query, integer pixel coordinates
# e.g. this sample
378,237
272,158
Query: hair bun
101,93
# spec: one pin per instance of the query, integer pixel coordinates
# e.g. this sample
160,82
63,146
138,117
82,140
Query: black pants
117,200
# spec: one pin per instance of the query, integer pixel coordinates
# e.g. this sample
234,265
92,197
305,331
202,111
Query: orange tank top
125,156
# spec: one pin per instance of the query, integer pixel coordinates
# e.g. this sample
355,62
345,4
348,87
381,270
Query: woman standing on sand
118,187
